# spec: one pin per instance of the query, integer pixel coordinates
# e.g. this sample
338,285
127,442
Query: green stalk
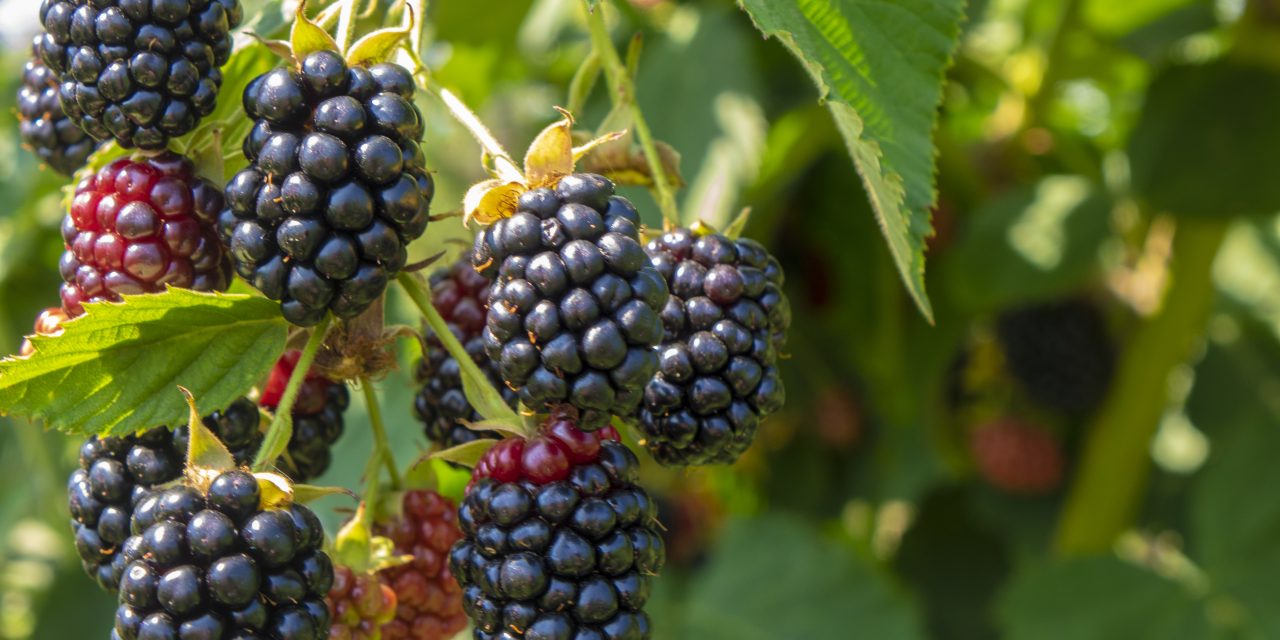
347,24
623,91
281,429
381,446
1116,463
486,400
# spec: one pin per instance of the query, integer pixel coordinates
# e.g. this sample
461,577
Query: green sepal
207,457
380,45
308,37
467,455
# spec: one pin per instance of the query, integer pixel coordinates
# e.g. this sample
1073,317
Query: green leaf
774,577
467,455
308,37
378,46
1208,140
1034,243
879,67
113,371
1099,597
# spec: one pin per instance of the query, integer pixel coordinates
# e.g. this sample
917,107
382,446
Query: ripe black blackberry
45,128
573,314
1061,353
219,565
137,71
460,295
725,322
559,541
336,188
116,474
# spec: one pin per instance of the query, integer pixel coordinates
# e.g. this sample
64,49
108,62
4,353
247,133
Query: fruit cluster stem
623,92
1116,462
381,446
281,429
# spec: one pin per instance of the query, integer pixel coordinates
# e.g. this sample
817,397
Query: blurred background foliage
1116,155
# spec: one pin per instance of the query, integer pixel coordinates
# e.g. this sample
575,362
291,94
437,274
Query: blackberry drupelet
559,540
141,72
336,188
429,599
317,419
1018,458
725,322
45,129
116,474
220,565
359,606
460,295
137,226
1061,353
48,323
573,314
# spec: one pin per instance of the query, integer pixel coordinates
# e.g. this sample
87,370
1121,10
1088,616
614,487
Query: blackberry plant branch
281,429
1116,462
475,383
381,446
622,91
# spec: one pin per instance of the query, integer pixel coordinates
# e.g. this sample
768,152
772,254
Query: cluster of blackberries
460,294
573,314
137,226
317,418
359,605
559,541
138,71
1060,352
725,321
116,474
336,188
45,129
220,565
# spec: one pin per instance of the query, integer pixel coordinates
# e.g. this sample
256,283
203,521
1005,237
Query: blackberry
137,226
460,295
559,540
1061,353
45,129
317,419
117,474
336,188
1017,458
573,314
724,324
137,71
429,599
359,606
219,565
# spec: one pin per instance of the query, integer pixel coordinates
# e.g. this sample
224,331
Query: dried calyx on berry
138,226
460,294
573,313
725,322
559,540
44,127
337,185
137,71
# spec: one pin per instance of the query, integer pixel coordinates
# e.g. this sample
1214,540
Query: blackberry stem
281,429
480,393
1116,463
381,446
622,91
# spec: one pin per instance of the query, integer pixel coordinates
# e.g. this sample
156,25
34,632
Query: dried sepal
489,201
